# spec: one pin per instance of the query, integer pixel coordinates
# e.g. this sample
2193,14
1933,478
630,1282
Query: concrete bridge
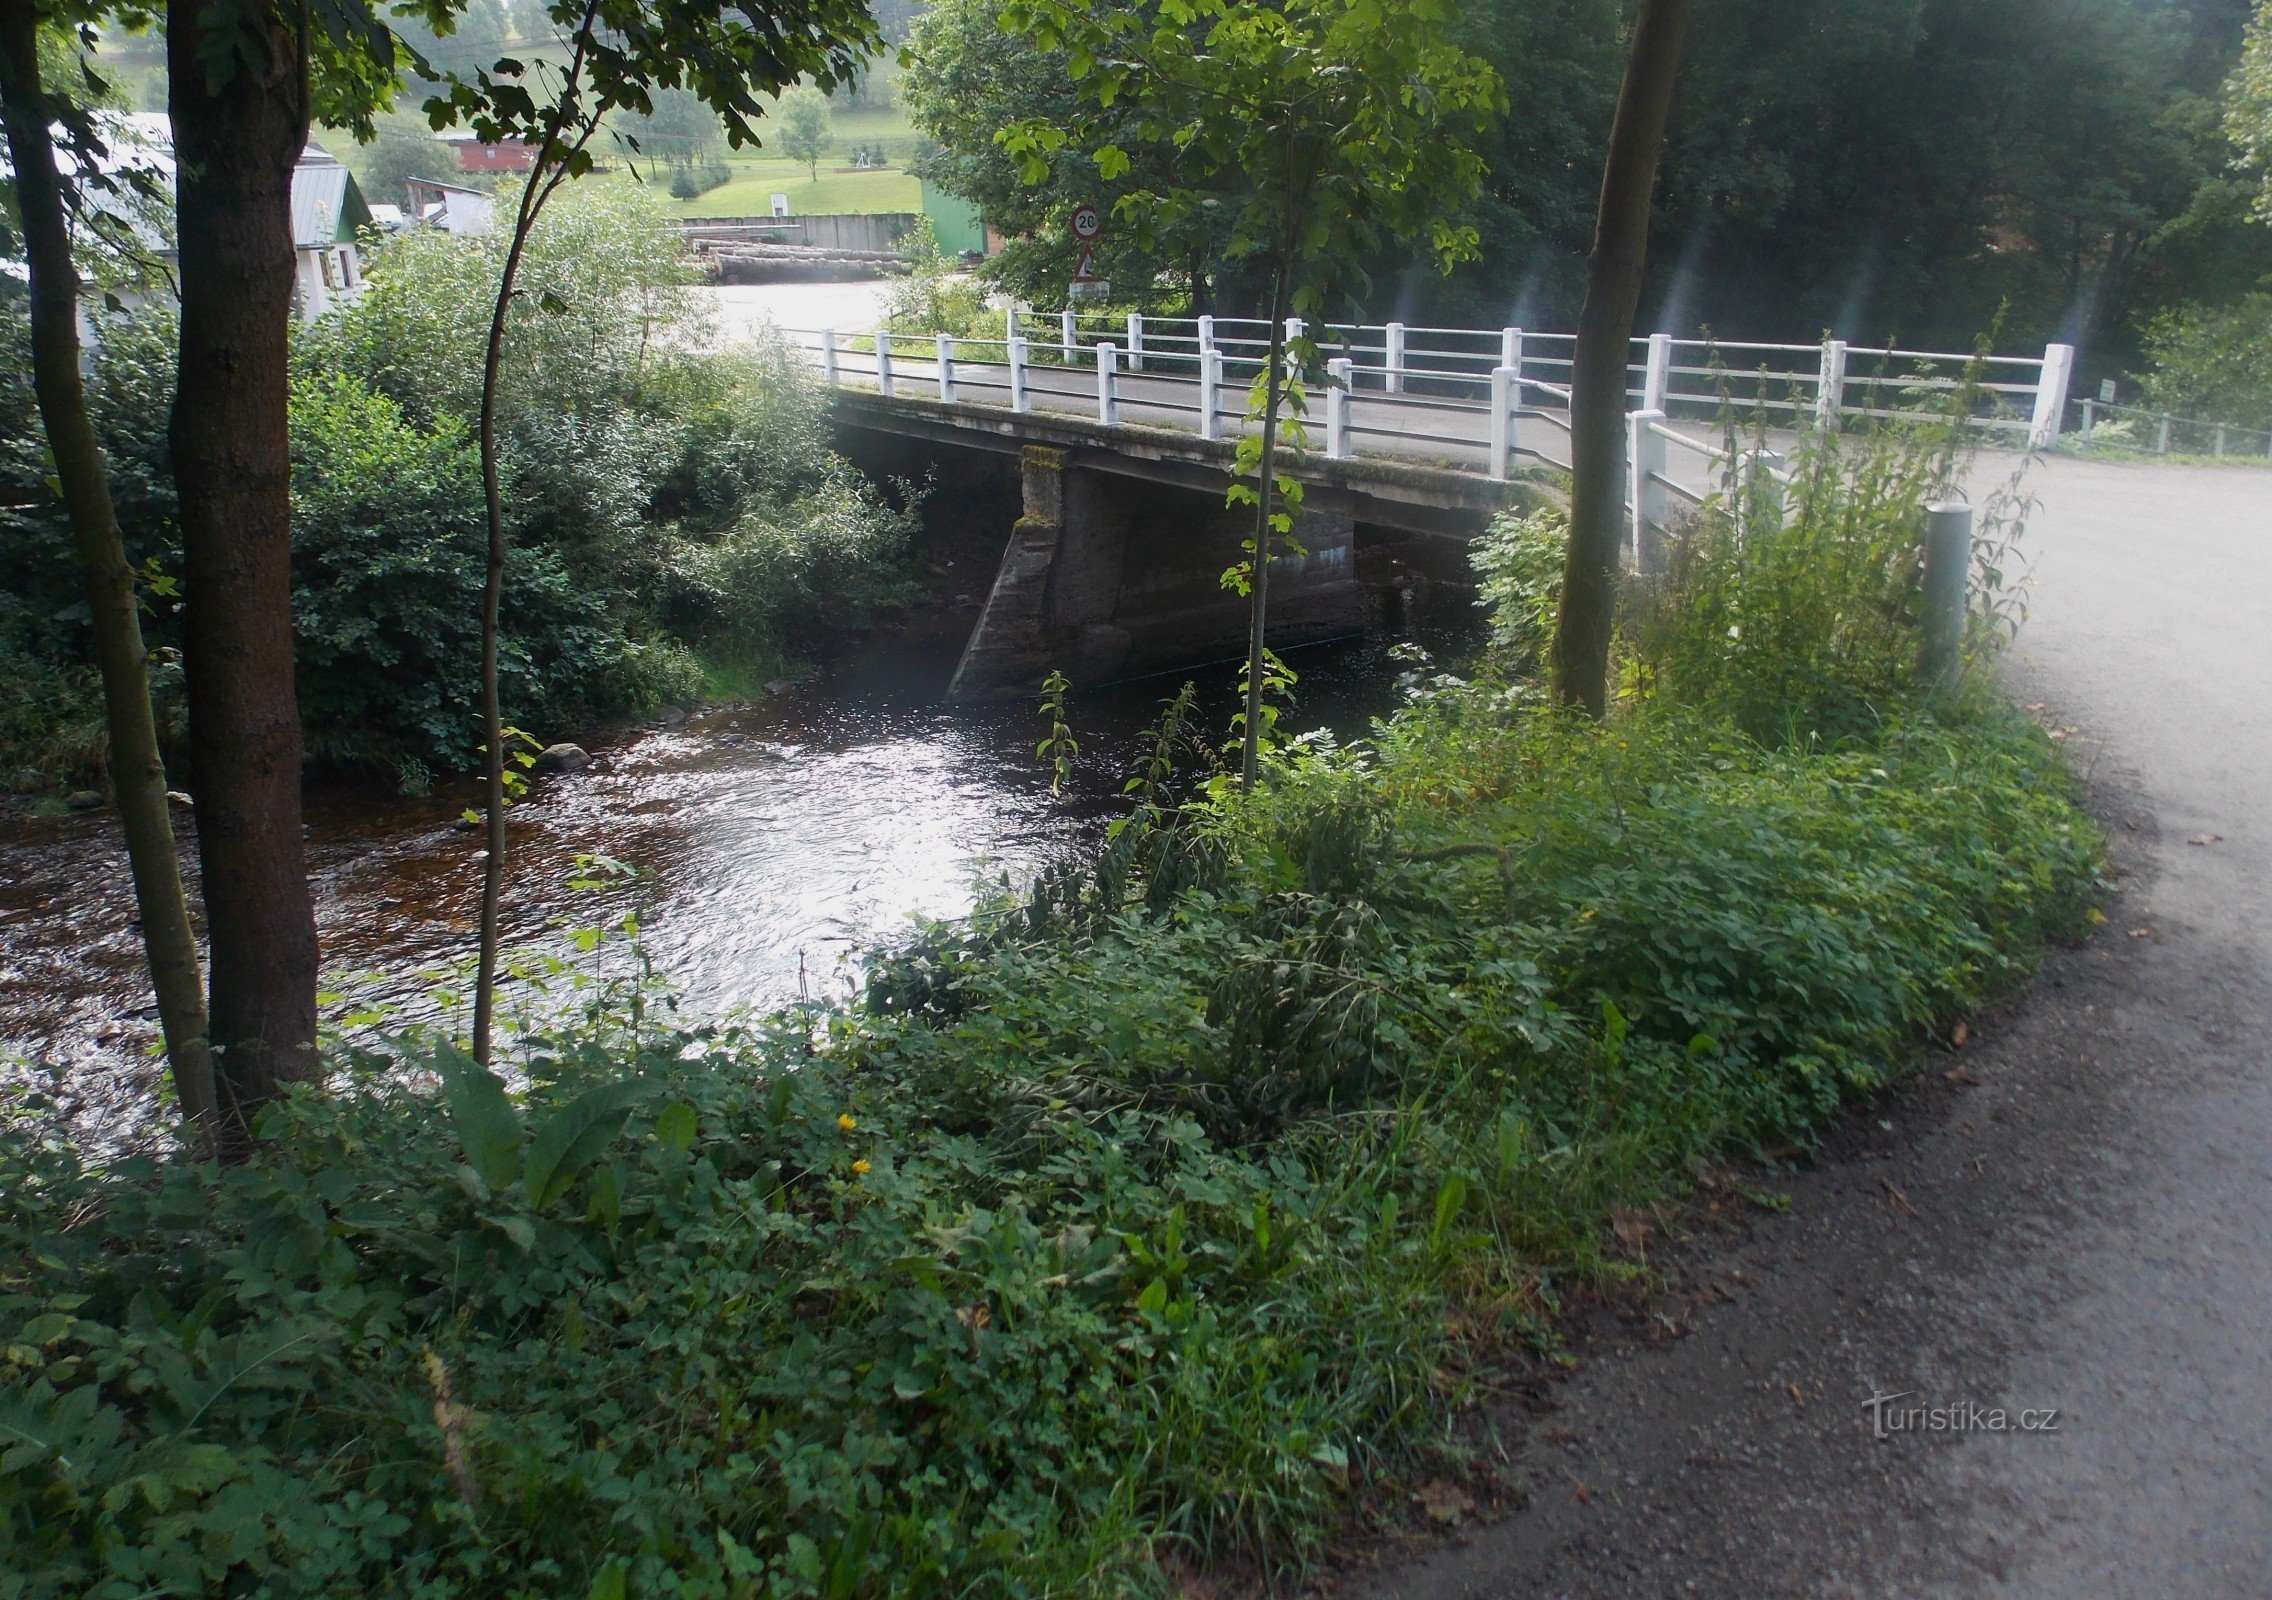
1125,444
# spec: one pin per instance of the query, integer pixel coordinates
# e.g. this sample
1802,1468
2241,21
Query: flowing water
782,839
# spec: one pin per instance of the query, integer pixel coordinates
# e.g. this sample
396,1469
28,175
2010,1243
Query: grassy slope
751,192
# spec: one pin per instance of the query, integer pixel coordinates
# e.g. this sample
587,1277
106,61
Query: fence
1476,398
2162,433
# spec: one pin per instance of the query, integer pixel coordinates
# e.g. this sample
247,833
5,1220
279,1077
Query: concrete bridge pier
1109,576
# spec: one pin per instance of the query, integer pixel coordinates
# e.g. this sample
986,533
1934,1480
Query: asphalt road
2072,1211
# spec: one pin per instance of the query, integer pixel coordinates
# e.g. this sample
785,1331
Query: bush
2213,363
387,576
1793,610
1518,567
51,715
648,486
931,299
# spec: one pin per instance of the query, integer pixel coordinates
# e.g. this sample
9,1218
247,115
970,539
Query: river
777,840
783,839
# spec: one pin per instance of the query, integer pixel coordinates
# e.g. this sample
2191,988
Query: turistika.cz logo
1889,1417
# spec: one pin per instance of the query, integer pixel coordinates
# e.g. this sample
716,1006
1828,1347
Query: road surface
2074,1211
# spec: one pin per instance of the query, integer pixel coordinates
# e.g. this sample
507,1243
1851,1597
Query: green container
955,221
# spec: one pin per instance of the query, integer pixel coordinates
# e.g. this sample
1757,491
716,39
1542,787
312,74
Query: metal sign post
1088,226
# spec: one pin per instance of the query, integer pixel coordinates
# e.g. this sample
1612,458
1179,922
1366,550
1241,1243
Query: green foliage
1792,610
931,299
657,499
2213,363
803,133
1058,744
1128,1219
387,568
603,278
965,79
1311,128
2248,105
1518,565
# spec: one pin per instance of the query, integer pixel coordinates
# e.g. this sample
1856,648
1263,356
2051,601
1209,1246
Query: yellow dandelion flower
859,1166
844,1121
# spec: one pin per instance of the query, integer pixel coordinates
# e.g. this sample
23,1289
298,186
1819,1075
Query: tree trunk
492,605
1605,331
1258,614
137,774
234,150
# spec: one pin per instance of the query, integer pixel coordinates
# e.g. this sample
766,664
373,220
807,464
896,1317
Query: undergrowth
1145,1216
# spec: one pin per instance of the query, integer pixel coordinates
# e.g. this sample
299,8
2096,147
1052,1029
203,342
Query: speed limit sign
1086,223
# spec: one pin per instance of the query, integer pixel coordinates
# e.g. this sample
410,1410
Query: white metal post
1010,323
1072,334
2051,395
1645,465
946,370
1135,341
1206,334
1946,586
1294,327
1830,384
1658,375
2161,438
883,361
1108,395
1503,400
1511,354
1018,401
828,356
1392,358
2220,441
1340,374
1210,378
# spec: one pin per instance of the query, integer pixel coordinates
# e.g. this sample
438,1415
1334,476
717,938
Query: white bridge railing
1469,399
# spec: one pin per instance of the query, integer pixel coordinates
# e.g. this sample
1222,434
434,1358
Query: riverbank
1172,1203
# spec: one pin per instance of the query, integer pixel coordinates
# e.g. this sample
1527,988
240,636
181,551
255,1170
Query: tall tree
620,53
1597,378
137,771
2248,106
804,133
238,75
1320,128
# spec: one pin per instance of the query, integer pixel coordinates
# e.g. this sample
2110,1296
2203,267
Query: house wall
324,278
508,155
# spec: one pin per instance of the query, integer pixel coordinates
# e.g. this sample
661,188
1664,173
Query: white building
327,211
328,214
451,207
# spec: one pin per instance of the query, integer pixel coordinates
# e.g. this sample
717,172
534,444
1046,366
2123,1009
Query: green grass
750,193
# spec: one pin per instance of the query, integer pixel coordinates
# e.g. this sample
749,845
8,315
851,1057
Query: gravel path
2074,1211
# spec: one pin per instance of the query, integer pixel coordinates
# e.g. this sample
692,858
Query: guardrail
2165,433
1199,381
1828,382
1469,399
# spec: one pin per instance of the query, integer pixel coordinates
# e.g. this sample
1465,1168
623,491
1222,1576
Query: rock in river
563,758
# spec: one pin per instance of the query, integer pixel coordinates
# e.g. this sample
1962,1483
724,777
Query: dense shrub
658,497
2213,363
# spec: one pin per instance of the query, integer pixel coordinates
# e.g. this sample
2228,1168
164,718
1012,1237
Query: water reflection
782,840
